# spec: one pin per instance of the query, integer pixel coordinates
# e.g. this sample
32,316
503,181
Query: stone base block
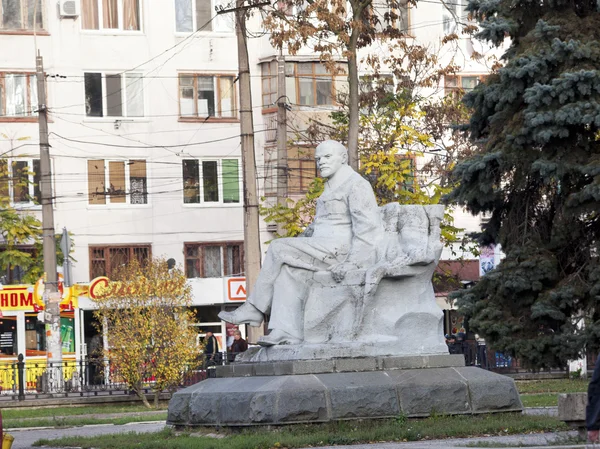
304,398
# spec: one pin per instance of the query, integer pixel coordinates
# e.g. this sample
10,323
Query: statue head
330,156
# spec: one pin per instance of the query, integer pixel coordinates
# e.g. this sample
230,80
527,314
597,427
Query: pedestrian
211,349
592,412
238,346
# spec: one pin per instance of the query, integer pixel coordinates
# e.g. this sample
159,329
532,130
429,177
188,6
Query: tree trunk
156,397
139,390
353,122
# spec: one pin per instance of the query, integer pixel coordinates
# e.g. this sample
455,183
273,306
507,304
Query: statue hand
338,271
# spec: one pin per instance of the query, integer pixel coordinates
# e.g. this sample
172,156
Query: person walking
592,412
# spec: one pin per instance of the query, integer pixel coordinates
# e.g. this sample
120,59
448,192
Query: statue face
329,160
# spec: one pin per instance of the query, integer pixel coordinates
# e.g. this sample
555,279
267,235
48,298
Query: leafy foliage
17,228
537,177
149,333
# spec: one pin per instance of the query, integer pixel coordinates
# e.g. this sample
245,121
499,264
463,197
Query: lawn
338,433
544,393
79,416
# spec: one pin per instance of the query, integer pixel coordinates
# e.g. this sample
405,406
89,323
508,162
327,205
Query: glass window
21,14
231,181
210,181
184,20
8,336
35,336
116,15
18,94
20,181
93,94
206,260
207,96
114,95
126,181
212,261
104,260
191,181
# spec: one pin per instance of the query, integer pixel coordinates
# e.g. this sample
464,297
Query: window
121,15
14,274
22,15
214,260
201,181
460,83
18,95
302,170
450,16
105,260
197,15
394,15
20,181
117,95
126,181
307,84
207,96
269,83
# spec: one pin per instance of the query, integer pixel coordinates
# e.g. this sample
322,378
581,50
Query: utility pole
252,256
51,294
282,164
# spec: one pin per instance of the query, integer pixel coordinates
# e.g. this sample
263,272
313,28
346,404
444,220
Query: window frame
459,77
217,85
37,29
120,19
108,269
30,183
34,116
224,265
220,202
127,194
123,104
381,26
213,5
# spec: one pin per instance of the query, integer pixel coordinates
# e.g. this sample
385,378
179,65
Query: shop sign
29,297
102,287
236,289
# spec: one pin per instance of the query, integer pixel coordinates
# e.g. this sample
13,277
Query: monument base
329,390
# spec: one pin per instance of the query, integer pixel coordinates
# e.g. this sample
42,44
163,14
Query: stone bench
571,409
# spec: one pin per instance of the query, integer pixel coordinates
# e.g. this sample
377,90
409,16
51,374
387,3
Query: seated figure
359,277
345,235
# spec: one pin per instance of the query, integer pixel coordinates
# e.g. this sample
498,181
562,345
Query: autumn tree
399,123
536,178
337,28
145,312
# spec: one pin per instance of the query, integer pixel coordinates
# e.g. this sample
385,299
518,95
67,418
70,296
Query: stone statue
356,283
345,235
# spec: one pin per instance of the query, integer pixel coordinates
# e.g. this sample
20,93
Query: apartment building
144,135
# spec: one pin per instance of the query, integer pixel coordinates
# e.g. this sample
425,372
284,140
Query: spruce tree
537,178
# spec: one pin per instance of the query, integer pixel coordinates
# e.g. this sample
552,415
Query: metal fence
22,380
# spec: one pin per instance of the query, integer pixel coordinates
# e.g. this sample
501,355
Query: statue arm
367,229
308,232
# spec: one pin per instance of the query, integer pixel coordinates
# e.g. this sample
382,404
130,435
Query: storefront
22,331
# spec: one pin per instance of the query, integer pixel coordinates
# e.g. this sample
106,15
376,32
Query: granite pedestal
304,391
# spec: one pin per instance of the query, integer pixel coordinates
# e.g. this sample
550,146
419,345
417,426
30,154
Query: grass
552,386
338,433
65,421
49,412
544,393
540,400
